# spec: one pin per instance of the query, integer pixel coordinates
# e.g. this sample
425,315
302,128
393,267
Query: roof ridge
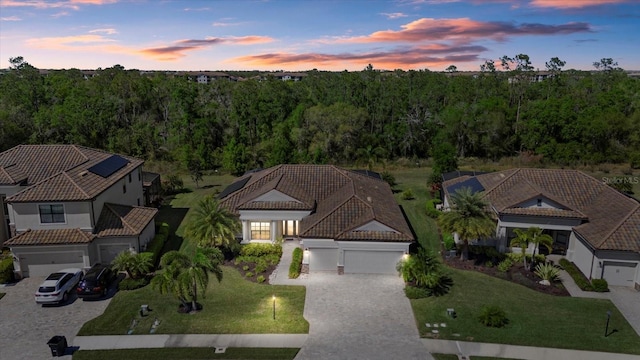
108,205
486,192
550,197
76,148
75,184
7,173
619,224
327,213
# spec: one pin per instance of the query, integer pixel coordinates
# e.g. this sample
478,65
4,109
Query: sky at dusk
298,35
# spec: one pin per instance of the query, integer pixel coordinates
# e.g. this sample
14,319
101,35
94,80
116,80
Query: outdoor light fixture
274,307
606,329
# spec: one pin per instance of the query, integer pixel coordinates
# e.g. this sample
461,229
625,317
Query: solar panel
233,187
108,166
369,173
471,183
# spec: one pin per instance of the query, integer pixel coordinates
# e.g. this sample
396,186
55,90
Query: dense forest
570,117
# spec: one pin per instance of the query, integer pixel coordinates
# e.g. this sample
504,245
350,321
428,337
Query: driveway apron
359,316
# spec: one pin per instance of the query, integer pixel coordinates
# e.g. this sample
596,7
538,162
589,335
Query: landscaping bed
516,274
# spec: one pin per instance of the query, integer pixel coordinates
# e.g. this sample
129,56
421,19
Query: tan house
71,206
346,221
592,224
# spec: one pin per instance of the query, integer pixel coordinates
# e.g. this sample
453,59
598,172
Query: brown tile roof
57,172
608,216
341,201
50,237
122,220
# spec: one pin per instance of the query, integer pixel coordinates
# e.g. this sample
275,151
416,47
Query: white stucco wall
582,256
115,195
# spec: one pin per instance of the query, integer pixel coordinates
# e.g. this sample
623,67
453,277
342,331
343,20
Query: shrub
6,270
132,284
493,316
157,243
258,249
261,266
260,279
547,272
296,263
580,280
505,265
245,267
413,292
407,195
488,264
389,178
448,241
248,274
173,184
432,212
600,285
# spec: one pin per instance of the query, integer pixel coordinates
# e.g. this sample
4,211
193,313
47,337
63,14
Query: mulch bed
517,274
253,278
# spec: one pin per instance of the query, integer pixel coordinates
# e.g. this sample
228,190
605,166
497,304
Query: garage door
43,264
619,273
323,259
109,252
371,262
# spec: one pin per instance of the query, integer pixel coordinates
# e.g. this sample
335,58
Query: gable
540,202
375,226
275,196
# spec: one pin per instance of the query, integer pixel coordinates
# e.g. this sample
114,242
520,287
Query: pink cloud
570,4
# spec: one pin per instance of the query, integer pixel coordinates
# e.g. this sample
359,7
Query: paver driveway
359,317
25,327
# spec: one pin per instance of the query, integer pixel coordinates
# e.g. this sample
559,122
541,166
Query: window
124,188
260,231
50,214
139,174
539,202
129,177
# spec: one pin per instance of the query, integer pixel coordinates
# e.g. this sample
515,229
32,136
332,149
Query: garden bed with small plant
257,261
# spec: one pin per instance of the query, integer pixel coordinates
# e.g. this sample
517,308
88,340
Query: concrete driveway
627,300
26,327
359,317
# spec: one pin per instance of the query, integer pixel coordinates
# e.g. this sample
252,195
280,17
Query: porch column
274,230
246,231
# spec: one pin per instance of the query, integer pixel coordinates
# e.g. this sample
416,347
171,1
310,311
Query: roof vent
369,198
83,173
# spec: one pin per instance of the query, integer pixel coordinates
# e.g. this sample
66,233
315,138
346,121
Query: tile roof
122,220
51,237
57,172
611,220
341,201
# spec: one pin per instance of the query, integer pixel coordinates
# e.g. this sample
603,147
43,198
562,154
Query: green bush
600,285
260,279
448,241
296,263
261,266
547,272
157,243
432,212
413,292
248,274
245,267
6,270
259,249
407,195
132,284
580,280
505,265
493,316
389,178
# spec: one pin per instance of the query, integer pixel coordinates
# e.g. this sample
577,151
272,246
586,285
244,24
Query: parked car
95,282
57,286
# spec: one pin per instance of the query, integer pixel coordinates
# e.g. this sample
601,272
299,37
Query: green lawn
186,354
536,319
234,306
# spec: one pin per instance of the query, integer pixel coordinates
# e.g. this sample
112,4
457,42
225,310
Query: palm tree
521,240
182,275
531,235
468,217
134,264
211,224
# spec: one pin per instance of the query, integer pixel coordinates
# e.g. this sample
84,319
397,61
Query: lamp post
606,329
274,307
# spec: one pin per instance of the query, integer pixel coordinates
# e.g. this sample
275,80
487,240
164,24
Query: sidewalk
463,348
280,275
189,340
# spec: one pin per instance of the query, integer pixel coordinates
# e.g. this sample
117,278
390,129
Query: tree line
570,117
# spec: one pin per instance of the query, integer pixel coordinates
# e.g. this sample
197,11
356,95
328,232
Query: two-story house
71,206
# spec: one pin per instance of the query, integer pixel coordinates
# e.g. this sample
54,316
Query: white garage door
323,259
43,264
619,273
109,252
371,262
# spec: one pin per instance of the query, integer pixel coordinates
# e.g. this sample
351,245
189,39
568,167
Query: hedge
258,249
579,278
432,212
296,263
6,270
157,243
600,285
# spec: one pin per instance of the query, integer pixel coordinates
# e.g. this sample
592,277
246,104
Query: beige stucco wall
27,216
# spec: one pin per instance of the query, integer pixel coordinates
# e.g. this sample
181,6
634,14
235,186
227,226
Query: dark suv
95,282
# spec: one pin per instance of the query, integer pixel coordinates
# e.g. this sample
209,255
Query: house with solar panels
592,224
70,206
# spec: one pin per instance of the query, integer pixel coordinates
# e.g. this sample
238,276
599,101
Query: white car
57,286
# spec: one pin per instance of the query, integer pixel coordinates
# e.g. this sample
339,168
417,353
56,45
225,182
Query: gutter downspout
593,257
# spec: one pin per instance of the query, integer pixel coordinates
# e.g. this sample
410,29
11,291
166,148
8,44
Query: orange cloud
179,48
464,30
571,4
435,55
